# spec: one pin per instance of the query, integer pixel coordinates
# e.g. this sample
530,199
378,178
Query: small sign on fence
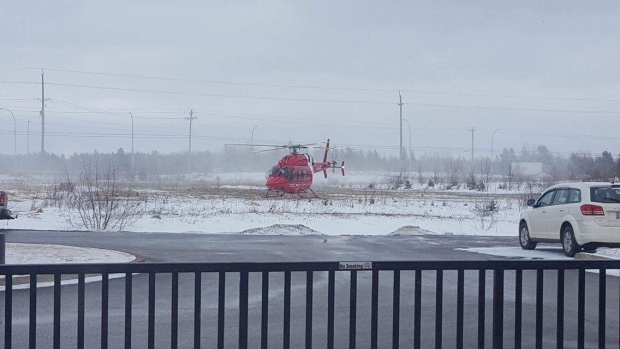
355,265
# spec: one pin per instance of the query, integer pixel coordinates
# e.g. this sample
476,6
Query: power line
218,82
85,126
218,95
512,97
537,110
299,86
293,120
18,99
556,135
313,100
19,82
85,108
268,117
230,139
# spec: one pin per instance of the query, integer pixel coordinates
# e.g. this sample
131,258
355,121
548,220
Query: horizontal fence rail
420,304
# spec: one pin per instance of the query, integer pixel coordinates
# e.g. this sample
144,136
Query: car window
605,194
545,199
561,197
574,196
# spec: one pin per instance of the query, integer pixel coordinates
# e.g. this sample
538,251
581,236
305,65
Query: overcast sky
543,72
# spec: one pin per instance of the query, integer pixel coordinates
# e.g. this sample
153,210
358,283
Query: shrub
96,201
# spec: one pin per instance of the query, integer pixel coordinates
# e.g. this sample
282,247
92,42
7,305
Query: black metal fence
420,304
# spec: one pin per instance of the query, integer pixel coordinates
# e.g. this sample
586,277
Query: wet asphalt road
157,247
161,247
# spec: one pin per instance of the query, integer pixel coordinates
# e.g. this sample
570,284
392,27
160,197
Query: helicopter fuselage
293,173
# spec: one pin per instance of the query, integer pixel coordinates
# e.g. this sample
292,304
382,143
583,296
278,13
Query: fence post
498,308
2,249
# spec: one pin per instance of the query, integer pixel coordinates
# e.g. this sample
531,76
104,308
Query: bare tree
485,211
436,172
531,190
420,176
97,201
454,169
485,172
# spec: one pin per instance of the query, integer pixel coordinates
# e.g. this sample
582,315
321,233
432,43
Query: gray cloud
526,48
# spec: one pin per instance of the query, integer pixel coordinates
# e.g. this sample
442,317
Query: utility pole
400,148
42,111
133,171
190,118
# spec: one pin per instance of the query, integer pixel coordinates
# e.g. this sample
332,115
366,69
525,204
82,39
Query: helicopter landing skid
278,193
313,193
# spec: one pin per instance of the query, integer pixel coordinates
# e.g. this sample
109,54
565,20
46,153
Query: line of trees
441,168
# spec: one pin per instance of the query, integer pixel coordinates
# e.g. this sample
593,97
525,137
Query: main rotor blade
258,145
271,149
286,146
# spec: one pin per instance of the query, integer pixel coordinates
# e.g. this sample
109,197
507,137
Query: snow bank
282,229
55,254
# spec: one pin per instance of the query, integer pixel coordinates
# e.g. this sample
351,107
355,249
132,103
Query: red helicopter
293,173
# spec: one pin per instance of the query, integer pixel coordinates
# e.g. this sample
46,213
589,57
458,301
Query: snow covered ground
346,206
358,204
53,254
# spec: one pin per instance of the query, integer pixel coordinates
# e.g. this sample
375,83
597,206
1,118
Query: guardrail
333,304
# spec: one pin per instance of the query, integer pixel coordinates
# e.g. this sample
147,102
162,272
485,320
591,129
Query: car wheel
524,238
569,244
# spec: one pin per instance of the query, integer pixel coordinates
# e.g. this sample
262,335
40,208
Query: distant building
526,168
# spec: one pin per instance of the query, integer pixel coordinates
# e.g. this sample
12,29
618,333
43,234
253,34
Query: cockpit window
284,172
274,171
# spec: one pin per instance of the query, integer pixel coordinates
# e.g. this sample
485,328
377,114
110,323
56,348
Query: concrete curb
25,279
587,255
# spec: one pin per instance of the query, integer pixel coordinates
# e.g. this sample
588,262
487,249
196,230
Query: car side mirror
531,202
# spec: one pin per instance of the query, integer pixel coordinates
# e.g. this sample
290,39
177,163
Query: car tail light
592,210
2,199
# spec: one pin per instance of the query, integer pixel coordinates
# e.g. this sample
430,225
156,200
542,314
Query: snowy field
357,204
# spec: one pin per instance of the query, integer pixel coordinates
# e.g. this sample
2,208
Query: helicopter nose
270,183
274,183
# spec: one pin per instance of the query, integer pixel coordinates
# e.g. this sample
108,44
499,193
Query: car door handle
561,210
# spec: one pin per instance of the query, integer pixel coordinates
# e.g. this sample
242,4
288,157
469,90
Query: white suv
579,215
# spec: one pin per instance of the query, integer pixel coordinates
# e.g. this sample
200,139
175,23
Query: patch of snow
410,230
518,252
282,229
17,253
87,279
548,253
54,254
613,253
